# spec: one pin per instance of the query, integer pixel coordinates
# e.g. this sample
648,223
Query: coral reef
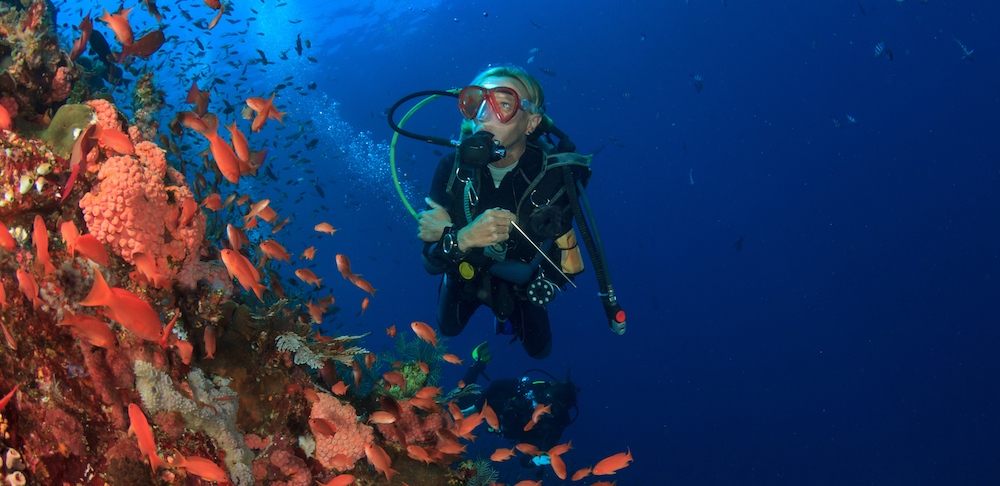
217,381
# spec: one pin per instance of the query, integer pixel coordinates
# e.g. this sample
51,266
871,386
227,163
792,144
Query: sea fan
485,474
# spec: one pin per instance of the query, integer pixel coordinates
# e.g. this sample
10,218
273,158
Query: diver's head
505,101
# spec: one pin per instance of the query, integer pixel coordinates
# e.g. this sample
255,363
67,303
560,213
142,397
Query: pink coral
292,466
61,84
350,437
254,441
415,430
130,209
106,113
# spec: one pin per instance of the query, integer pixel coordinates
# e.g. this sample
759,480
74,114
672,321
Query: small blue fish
851,119
836,122
878,49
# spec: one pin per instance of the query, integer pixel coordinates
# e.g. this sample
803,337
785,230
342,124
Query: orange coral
130,210
350,438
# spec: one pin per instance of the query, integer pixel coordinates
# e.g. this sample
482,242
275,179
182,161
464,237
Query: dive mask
504,102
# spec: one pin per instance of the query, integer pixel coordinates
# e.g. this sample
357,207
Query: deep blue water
852,340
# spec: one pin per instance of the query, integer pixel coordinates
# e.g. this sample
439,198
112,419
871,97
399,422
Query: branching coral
313,349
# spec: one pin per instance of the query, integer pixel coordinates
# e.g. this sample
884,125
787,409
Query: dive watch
449,244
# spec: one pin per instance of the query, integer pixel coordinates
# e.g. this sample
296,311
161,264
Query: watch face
449,242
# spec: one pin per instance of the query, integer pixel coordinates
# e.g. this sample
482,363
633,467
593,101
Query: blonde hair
534,92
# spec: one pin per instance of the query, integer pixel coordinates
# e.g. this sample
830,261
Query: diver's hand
490,228
432,222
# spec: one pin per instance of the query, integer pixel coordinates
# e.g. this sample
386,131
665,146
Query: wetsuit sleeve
433,258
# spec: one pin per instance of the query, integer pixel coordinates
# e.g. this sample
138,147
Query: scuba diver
499,218
514,400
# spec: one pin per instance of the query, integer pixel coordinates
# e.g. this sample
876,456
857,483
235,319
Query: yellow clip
466,270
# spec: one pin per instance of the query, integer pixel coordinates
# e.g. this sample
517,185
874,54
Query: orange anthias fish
490,416
357,373
274,250
209,342
200,99
558,466
428,392
391,331
580,474
225,157
126,308
146,46
239,142
502,454
370,360
451,358
40,236
237,238
218,16
342,480
418,453
339,389
7,242
611,464
268,214
308,253
381,417
344,266
86,28
395,378
69,235
363,284
315,312
89,246
147,267
90,329
380,460
322,426
468,425
364,306
265,109
119,24
240,267
325,228
560,449
213,202
201,467
256,208
147,445
425,332
528,482
281,224
528,449
6,398
29,287
308,276
539,411
115,139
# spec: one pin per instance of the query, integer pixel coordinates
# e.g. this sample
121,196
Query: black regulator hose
614,312
426,138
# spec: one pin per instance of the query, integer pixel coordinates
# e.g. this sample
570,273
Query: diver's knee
542,353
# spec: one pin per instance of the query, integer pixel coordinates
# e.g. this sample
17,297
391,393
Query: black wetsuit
459,298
